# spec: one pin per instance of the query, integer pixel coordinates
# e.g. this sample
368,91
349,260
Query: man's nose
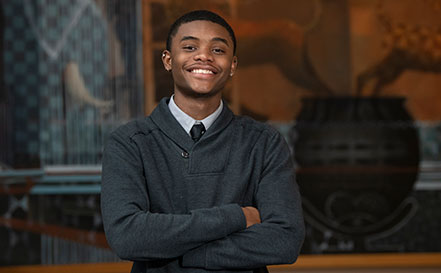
204,55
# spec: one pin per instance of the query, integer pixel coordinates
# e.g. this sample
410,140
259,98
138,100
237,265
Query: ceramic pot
357,161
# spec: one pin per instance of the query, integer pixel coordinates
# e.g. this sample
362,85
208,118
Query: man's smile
202,71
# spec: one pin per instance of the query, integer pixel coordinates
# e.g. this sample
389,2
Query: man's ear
166,60
233,66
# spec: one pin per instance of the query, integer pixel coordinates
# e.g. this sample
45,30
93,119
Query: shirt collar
187,122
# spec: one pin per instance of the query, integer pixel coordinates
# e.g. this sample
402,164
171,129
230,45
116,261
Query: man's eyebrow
220,40
188,38
185,38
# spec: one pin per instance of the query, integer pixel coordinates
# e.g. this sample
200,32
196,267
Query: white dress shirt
187,122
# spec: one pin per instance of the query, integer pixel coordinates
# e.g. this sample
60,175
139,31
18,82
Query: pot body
357,161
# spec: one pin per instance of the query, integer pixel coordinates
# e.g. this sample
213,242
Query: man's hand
252,215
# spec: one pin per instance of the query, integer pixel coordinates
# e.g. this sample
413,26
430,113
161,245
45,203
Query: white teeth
202,71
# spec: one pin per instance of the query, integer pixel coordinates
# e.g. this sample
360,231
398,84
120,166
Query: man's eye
218,50
189,48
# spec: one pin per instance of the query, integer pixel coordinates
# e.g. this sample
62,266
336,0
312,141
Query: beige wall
342,39
371,43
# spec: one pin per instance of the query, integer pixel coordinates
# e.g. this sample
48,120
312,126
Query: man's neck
197,108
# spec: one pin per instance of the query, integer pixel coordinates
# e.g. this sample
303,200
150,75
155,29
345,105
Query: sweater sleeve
278,238
134,232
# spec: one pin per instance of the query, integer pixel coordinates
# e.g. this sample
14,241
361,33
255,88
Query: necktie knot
197,131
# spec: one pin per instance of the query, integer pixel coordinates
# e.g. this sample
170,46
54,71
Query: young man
192,187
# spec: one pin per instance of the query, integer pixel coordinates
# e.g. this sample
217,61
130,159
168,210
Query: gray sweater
172,205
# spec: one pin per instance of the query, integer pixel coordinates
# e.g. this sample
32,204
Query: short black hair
199,15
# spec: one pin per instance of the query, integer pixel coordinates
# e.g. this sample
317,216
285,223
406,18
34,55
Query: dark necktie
197,131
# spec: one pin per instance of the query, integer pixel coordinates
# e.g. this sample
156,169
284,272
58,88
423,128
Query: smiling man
192,187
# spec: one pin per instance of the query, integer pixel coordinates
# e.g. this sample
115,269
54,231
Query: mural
353,85
69,76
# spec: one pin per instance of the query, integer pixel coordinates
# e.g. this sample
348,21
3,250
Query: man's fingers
252,215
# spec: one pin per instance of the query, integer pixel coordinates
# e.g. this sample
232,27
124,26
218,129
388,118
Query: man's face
201,58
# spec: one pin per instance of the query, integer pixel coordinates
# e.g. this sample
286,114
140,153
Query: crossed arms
223,237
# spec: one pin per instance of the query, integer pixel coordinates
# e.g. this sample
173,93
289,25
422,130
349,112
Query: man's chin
201,94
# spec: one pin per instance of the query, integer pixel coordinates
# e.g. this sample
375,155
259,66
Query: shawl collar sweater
173,205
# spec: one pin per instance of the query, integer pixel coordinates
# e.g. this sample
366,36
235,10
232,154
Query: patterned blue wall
54,123
70,73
